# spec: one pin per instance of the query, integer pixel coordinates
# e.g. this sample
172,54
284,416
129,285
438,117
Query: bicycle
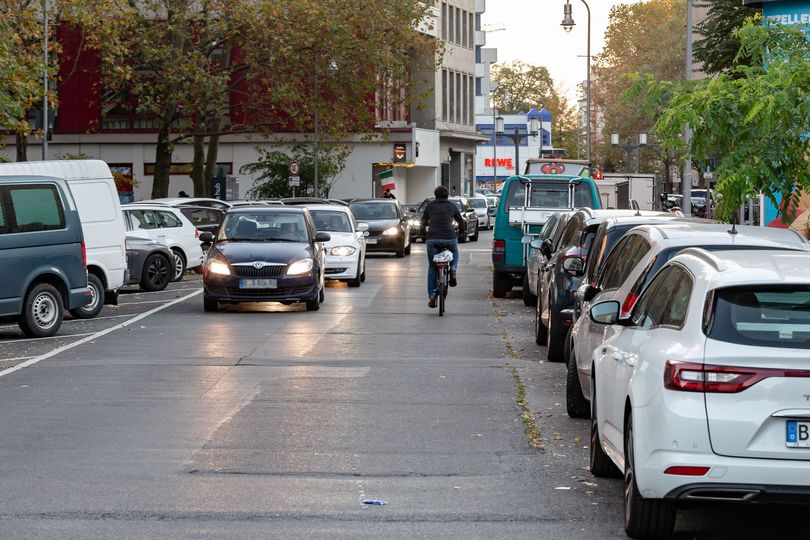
442,262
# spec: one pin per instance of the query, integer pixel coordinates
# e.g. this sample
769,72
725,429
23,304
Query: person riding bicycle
438,217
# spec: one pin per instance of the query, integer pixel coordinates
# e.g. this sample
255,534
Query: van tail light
686,471
498,250
628,305
84,256
688,377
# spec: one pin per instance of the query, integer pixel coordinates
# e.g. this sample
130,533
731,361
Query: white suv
702,395
632,262
169,226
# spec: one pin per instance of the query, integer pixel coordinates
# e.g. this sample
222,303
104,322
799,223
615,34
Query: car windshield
762,316
332,221
551,194
373,210
264,227
478,203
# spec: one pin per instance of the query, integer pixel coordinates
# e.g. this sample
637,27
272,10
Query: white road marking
145,302
60,336
16,359
129,292
96,335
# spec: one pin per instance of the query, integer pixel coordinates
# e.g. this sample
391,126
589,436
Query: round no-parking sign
294,168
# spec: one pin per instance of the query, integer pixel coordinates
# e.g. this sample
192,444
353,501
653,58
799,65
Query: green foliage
719,45
754,121
272,171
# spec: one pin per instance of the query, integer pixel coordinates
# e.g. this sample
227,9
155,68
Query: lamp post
45,87
567,24
534,129
629,148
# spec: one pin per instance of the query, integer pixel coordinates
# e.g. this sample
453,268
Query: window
478,81
444,21
465,94
666,301
168,220
451,33
459,101
471,104
648,309
3,228
459,37
570,233
201,216
471,39
450,97
329,220
444,96
142,220
617,269
32,208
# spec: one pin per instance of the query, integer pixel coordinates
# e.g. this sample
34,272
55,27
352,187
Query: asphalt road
158,420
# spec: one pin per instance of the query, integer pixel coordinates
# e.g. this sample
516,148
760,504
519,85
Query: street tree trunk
163,163
198,168
213,151
22,147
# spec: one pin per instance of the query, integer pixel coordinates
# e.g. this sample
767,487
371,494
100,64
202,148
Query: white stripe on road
144,302
16,359
164,291
97,335
60,336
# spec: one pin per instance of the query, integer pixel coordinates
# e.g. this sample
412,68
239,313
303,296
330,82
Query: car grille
283,292
335,270
252,272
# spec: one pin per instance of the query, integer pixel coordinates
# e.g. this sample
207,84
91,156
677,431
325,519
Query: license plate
371,240
798,434
258,283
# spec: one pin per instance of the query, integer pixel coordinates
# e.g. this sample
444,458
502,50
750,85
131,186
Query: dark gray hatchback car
42,253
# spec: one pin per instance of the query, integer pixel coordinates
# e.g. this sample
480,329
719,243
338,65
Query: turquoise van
554,185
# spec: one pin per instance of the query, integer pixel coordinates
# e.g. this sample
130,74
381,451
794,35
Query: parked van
42,254
93,189
554,185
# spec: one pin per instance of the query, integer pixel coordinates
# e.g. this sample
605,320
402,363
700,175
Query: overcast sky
533,35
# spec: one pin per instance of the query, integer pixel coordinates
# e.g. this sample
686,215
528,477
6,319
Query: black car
389,229
265,254
150,263
204,219
467,212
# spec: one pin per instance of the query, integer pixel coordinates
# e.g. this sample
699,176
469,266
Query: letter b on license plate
798,434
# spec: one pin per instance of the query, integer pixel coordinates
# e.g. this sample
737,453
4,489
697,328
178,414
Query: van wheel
501,284
156,273
179,265
92,309
42,311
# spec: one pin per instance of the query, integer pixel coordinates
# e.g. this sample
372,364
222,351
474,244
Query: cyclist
438,217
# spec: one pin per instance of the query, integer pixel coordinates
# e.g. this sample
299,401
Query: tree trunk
163,163
198,168
22,147
211,157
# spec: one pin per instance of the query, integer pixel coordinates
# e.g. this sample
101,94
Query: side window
35,208
142,220
634,251
650,307
167,219
570,235
611,261
548,227
678,304
666,301
597,252
3,227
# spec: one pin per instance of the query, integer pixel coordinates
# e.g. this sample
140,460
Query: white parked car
701,395
169,226
189,201
346,251
632,262
481,206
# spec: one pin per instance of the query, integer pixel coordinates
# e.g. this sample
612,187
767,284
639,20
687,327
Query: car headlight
342,251
219,267
414,223
300,267
393,231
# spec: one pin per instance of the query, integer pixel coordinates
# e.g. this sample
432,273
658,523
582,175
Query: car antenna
733,229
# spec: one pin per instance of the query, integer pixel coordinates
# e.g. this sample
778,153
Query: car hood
277,252
376,225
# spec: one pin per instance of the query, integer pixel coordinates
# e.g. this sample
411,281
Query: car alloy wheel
179,265
91,310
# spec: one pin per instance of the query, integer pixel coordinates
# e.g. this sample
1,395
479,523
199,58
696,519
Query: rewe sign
501,162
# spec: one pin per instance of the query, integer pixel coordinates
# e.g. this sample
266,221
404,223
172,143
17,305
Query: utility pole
45,115
686,185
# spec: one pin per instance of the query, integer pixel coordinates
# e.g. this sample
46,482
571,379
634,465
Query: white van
93,188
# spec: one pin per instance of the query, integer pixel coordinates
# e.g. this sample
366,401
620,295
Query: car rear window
477,203
551,194
32,208
764,316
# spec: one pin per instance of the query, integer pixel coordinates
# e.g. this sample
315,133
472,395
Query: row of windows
458,25
458,99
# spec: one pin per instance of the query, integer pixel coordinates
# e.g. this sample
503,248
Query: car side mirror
322,236
537,244
206,237
362,227
590,293
492,211
574,265
606,312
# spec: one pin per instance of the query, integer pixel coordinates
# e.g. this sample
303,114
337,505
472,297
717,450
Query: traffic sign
294,168
294,181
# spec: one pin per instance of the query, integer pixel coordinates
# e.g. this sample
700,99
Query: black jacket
438,217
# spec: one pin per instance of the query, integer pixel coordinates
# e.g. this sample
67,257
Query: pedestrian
182,194
388,194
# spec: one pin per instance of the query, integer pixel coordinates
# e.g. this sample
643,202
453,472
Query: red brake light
84,255
687,377
499,245
196,233
627,306
687,471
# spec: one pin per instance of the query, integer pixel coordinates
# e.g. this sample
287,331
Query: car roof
329,207
663,217
684,233
148,206
748,267
175,201
194,207
267,209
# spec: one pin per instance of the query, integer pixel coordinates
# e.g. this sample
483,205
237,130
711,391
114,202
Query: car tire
314,304
600,464
474,237
42,311
556,341
575,403
91,310
501,284
210,304
462,239
179,265
407,249
643,518
363,275
529,300
322,295
540,331
156,273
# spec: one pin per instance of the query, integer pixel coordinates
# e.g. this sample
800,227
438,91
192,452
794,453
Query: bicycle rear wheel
441,289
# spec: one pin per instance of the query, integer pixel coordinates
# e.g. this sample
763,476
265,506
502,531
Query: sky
533,35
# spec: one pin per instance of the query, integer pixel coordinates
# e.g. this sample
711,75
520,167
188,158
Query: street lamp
534,130
568,24
629,147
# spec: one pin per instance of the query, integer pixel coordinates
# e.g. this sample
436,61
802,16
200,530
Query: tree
273,173
719,45
647,37
754,120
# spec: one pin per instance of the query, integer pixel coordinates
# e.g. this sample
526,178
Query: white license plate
797,434
371,240
258,283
